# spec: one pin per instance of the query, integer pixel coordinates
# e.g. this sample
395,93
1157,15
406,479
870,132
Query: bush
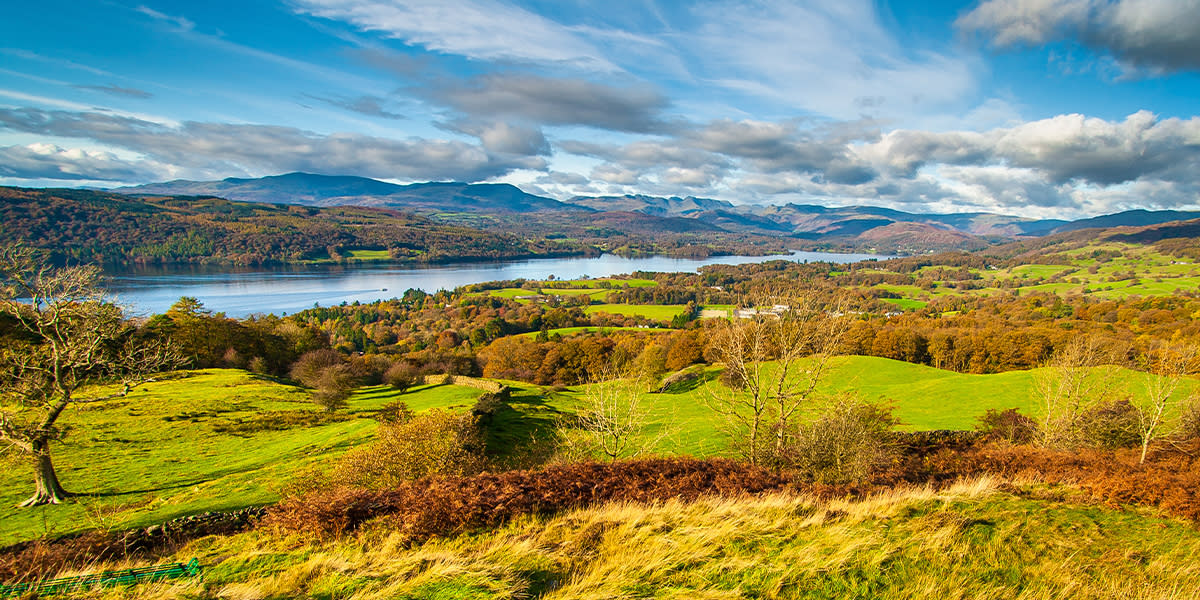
434,443
370,368
333,387
849,442
488,404
308,368
440,505
1189,419
402,376
733,379
393,412
1009,425
1110,425
258,365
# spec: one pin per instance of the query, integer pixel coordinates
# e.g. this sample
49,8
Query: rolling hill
504,206
112,228
331,190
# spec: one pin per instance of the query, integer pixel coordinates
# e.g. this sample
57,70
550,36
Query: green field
210,440
613,283
593,293
923,398
1135,271
568,331
222,439
650,311
906,303
370,255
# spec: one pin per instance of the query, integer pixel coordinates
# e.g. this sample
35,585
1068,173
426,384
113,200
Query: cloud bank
1157,36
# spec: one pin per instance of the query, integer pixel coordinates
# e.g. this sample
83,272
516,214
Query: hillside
113,228
1177,238
977,539
329,190
718,224
1129,218
178,436
497,208
850,228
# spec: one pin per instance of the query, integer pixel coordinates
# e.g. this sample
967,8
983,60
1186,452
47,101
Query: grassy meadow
1125,270
217,439
222,439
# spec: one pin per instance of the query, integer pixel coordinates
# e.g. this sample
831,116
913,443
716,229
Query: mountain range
849,227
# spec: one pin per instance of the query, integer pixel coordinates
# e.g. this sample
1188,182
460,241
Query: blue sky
1042,108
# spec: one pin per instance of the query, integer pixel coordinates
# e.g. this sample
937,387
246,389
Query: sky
1037,108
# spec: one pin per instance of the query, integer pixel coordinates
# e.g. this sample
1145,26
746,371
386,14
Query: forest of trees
477,335
99,227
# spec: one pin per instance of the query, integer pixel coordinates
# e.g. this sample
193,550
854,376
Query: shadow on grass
687,381
523,429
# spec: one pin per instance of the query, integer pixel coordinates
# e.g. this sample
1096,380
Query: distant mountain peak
348,190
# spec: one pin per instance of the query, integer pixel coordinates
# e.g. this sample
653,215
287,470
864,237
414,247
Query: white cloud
1158,36
223,148
555,101
1063,148
479,29
41,161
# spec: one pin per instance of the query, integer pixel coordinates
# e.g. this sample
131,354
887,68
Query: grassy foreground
973,540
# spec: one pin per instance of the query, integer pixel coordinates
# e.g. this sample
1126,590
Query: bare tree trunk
49,490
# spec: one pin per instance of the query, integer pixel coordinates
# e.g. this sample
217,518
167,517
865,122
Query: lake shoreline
283,289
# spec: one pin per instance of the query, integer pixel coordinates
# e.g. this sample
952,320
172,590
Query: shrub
333,387
733,379
1009,425
440,505
1189,419
1110,425
434,443
393,412
402,376
308,368
848,442
488,404
258,365
370,368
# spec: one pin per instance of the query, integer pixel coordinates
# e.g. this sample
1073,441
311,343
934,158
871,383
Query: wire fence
105,579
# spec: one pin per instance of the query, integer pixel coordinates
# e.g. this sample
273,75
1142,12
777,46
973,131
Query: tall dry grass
973,539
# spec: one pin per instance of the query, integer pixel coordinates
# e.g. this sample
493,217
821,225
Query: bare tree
1165,367
65,345
774,361
611,419
1070,384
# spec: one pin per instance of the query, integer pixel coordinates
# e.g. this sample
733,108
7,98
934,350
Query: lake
238,292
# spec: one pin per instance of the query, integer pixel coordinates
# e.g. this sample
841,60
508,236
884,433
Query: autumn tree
1071,384
66,345
1165,367
327,372
773,363
611,419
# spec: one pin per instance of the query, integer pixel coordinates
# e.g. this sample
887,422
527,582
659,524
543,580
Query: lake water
240,292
